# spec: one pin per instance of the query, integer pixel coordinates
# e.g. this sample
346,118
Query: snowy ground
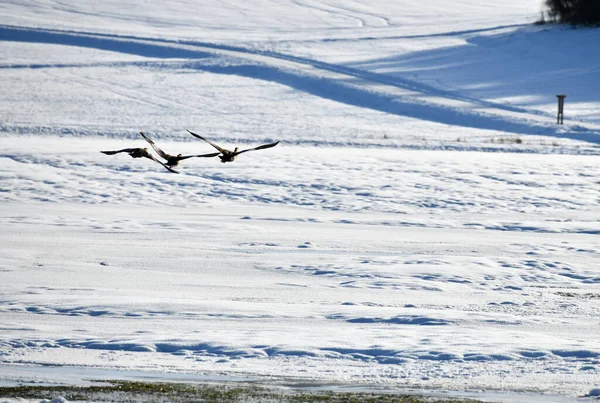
422,224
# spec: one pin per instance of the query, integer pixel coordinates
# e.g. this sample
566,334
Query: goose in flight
173,160
139,153
228,155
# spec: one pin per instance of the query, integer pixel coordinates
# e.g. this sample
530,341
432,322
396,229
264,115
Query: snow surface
423,223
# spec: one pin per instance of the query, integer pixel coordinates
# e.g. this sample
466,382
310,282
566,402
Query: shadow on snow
342,91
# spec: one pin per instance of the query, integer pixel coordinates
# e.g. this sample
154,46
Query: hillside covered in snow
423,223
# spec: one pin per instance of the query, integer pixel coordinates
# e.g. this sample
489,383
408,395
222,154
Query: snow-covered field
423,223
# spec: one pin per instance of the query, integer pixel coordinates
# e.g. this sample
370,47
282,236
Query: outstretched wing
200,155
156,148
258,148
222,150
125,150
150,156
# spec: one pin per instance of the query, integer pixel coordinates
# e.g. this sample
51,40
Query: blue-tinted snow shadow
224,353
402,320
100,42
342,91
364,98
530,66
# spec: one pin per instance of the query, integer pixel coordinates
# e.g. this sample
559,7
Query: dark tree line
577,12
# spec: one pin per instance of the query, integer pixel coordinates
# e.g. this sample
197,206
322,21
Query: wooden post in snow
561,106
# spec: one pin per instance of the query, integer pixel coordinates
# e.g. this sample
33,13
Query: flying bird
173,160
228,155
139,153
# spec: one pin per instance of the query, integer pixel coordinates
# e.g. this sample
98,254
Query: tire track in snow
419,36
364,19
370,19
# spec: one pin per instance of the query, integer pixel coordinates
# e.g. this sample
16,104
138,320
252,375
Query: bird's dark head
236,150
179,155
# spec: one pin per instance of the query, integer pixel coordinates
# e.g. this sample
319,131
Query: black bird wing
222,150
155,147
258,148
200,155
125,150
149,156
